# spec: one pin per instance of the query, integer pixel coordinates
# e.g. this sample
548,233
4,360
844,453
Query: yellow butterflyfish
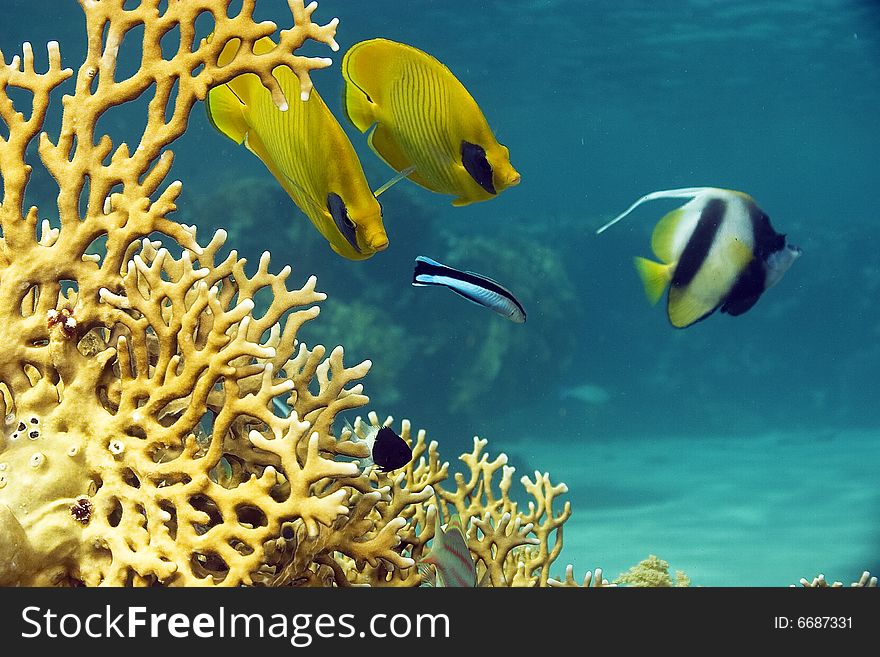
306,150
423,119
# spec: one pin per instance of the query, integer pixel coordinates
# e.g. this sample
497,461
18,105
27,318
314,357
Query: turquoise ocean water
742,450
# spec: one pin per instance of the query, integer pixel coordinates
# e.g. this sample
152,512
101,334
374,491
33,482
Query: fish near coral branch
140,468
76,154
305,28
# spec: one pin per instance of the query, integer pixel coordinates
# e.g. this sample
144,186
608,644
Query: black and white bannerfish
388,451
717,251
473,287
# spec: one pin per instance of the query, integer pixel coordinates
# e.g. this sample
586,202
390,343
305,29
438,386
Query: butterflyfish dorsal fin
655,277
244,86
663,237
386,148
684,192
382,143
264,45
225,107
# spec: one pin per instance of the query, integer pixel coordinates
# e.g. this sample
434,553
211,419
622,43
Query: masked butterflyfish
422,118
473,287
717,251
306,150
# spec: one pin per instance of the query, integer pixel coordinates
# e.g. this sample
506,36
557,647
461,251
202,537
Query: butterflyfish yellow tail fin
684,192
360,71
226,113
357,107
655,277
227,105
663,237
396,179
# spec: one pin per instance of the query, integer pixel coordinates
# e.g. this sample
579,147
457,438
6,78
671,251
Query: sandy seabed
759,511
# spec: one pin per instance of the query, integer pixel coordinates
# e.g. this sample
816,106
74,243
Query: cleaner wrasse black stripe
473,287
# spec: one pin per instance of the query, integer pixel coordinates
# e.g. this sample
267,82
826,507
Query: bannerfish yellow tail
716,252
306,150
420,116
655,277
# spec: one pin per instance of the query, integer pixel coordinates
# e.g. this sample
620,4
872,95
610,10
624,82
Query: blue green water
742,450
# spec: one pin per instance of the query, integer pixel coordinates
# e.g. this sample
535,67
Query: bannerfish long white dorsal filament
684,192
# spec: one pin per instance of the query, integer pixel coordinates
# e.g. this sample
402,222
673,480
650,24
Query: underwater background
742,450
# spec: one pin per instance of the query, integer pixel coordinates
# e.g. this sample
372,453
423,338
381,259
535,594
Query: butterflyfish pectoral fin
684,192
396,179
382,143
655,277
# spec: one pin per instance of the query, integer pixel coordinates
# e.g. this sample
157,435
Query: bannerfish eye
343,222
473,158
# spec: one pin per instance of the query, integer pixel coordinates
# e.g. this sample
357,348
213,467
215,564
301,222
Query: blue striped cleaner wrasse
717,252
422,118
306,150
473,287
449,563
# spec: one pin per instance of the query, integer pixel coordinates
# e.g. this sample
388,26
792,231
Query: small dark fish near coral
473,287
717,251
388,451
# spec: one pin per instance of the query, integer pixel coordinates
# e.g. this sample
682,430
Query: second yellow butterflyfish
424,120
306,150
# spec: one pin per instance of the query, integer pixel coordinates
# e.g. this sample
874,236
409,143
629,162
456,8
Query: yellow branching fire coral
141,443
